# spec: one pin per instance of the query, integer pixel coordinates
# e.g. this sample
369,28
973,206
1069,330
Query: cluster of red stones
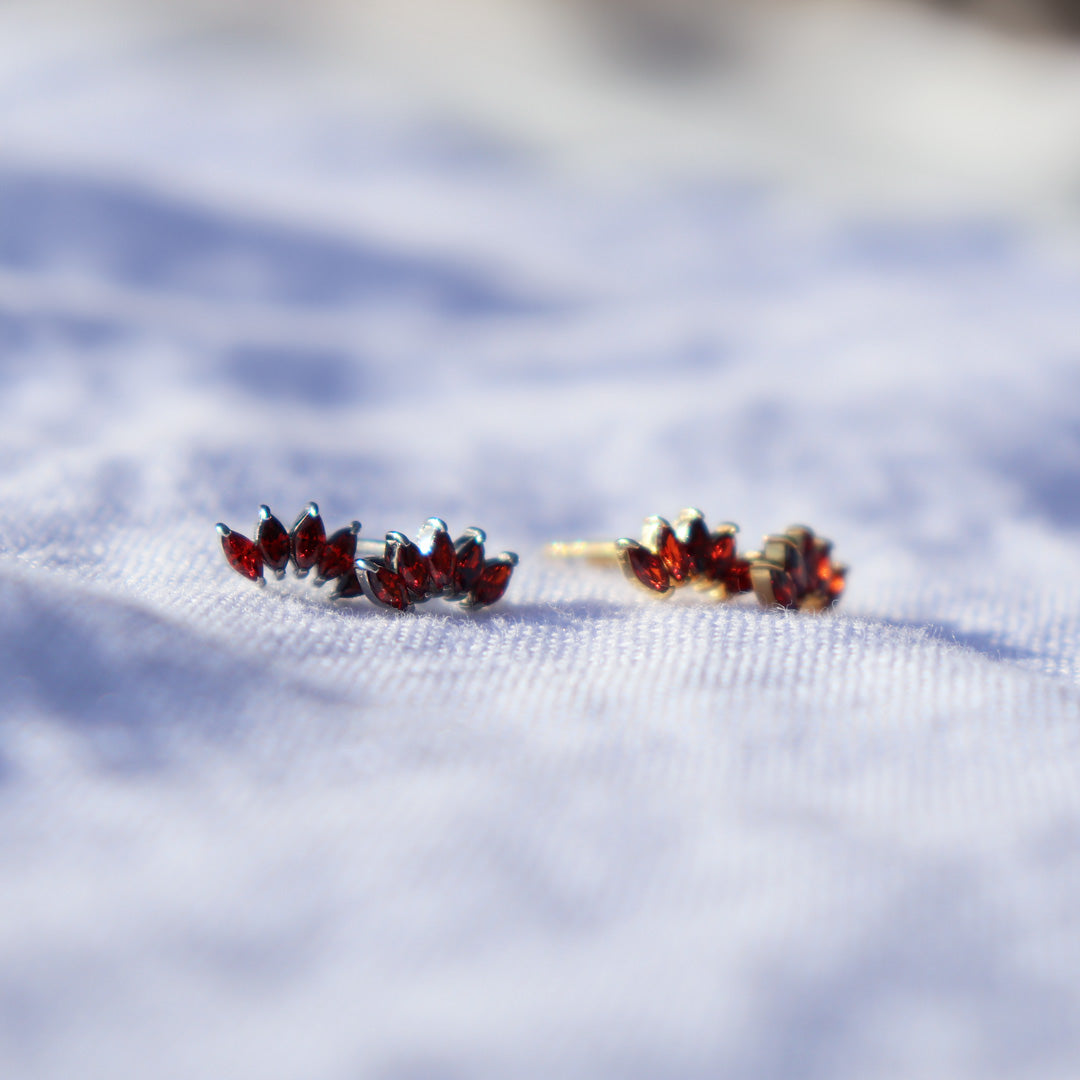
793,570
403,573
688,552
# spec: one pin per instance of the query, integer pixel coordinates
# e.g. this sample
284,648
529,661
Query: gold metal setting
793,569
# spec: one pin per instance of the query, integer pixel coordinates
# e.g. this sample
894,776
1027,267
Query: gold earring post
601,552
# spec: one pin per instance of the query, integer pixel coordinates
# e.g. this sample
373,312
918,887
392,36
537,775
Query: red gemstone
242,555
660,538
404,558
693,534
773,586
308,537
438,549
720,558
469,551
644,566
273,541
835,581
785,553
348,586
386,587
737,576
492,583
783,589
338,554
818,564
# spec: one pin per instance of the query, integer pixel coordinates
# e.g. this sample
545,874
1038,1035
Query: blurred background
548,266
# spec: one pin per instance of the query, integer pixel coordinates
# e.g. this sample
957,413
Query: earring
395,573
793,570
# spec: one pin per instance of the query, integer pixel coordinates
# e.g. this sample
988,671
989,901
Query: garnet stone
660,538
469,562
339,553
273,541
693,534
720,554
308,536
348,586
492,583
438,549
404,558
242,555
384,586
643,566
773,586
737,576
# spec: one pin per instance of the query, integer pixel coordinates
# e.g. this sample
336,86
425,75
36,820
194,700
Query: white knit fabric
246,833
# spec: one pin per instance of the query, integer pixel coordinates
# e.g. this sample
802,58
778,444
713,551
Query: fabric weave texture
251,833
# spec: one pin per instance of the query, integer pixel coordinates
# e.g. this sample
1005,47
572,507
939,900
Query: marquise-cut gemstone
720,557
438,549
404,558
348,586
737,576
492,582
783,589
469,551
338,554
819,564
772,585
647,567
692,532
308,537
241,553
386,587
834,582
273,541
661,539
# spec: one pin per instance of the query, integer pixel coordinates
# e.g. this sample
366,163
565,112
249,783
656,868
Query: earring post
595,551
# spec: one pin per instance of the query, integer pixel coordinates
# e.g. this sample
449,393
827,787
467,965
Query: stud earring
793,570
395,573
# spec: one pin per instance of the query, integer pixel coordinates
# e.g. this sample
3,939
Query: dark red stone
785,552
492,583
338,554
348,586
469,562
386,587
438,549
273,540
783,589
720,558
819,564
242,555
693,534
833,581
737,576
660,538
404,558
646,566
308,537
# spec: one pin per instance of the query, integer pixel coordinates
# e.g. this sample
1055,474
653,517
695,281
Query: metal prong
223,530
